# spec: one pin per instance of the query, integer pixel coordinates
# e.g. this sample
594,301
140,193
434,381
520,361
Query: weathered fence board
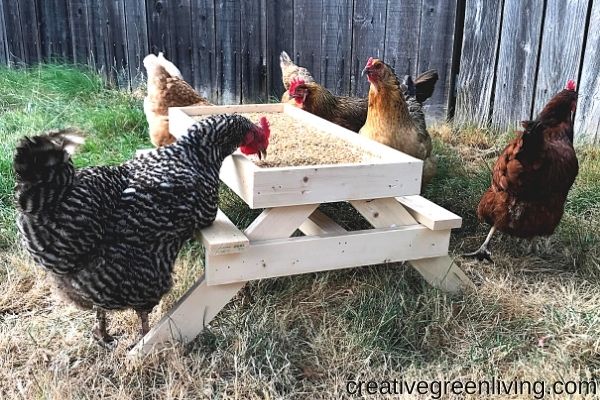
79,28
307,35
478,60
203,38
227,27
587,121
435,45
137,39
3,44
180,32
403,23
562,44
368,39
16,42
280,37
336,46
53,29
517,61
253,57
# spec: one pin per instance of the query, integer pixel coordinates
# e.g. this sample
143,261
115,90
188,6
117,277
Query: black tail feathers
43,168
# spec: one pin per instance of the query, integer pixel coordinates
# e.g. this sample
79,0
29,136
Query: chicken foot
143,316
145,327
483,253
99,332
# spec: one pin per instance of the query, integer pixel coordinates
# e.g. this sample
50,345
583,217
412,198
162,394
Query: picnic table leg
440,272
202,302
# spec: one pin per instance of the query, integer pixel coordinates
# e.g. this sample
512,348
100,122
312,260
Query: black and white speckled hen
109,235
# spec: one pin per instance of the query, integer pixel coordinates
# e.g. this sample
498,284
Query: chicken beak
262,154
364,71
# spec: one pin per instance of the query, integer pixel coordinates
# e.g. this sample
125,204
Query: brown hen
166,88
533,175
389,120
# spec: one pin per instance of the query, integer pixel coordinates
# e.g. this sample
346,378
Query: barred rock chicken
533,175
291,71
389,119
349,112
166,88
109,235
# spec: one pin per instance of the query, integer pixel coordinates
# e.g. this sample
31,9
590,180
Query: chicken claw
99,332
482,254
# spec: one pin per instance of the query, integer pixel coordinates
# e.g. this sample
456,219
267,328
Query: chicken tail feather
43,168
425,84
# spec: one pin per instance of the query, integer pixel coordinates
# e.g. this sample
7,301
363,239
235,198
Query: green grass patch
38,99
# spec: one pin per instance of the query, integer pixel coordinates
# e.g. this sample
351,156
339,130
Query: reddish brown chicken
349,112
533,175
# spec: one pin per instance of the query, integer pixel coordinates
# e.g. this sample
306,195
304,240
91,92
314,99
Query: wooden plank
430,214
188,316
435,48
402,36
307,35
79,28
56,43
137,40
227,23
116,46
368,40
159,35
587,119
14,36
203,38
223,237
300,255
253,52
280,37
97,15
517,62
478,61
277,187
441,272
320,224
29,11
180,26
336,46
382,213
201,303
562,44
3,39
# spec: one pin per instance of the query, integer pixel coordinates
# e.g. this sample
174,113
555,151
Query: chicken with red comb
257,140
533,175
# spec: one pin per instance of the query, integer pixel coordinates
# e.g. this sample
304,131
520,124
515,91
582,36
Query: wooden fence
229,49
516,54
499,60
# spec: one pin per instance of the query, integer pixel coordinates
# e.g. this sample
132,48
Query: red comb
370,62
570,85
264,123
295,83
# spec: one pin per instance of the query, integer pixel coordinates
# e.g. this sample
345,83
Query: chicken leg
99,332
143,316
484,253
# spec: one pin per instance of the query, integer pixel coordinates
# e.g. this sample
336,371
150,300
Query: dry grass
532,316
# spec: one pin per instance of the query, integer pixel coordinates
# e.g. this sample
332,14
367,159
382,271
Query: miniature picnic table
385,191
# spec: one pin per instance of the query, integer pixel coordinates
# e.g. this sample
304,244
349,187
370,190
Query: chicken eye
378,66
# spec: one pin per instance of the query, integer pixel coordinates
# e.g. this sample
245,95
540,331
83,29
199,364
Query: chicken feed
294,143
